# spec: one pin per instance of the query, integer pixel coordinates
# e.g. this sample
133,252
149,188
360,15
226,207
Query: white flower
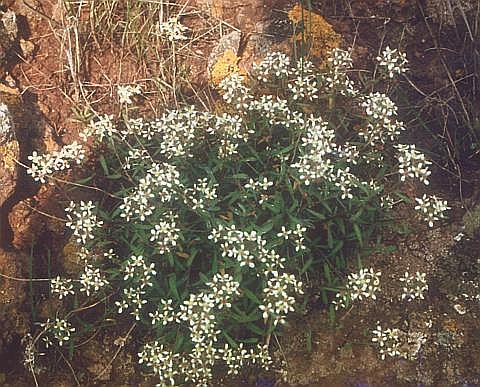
164,314
274,66
285,234
365,283
412,163
45,165
278,298
61,330
126,92
414,286
172,29
61,286
100,127
92,280
432,208
82,220
393,62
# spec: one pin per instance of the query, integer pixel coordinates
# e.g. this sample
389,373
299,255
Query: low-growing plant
217,223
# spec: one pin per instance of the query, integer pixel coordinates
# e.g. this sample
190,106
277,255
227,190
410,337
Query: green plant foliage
217,224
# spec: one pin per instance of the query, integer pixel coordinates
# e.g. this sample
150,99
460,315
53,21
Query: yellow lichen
9,154
227,64
318,35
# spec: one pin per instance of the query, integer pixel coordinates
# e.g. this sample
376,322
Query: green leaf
358,233
172,285
230,340
250,295
103,163
255,329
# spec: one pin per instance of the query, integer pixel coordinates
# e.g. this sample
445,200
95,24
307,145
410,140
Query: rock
8,34
223,59
318,35
246,15
27,48
9,149
12,297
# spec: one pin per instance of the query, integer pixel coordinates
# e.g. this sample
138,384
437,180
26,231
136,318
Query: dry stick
44,213
23,279
120,347
459,98
69,366
281,349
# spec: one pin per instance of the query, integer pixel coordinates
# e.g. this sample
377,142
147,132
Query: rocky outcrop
13,319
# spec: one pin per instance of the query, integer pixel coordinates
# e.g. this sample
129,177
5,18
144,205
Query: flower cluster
236,358
365,283
45,165
393,62
317,143
139,275
100,128
60,329
201,195
234,91
277,300
61,286
180,131
126,92
412,163
274,66
244,247
199,312
160,183
162,362
82,219
273,109
337,79
388,341
414,286
164,314
297,235
432,208
231,131
92,280
259,187
165,234
394,342
139,271
304,86
382,125
172,29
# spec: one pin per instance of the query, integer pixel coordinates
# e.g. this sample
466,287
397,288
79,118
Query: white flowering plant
216,224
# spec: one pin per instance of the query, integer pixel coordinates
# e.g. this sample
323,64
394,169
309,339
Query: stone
8,34
12,297
9,147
